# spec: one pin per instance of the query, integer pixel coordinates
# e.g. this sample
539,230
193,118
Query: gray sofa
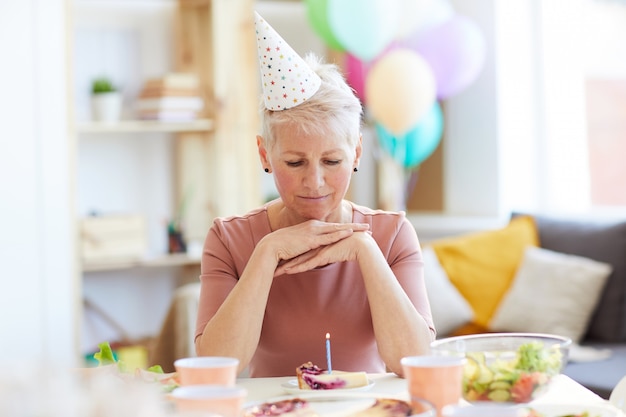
604,241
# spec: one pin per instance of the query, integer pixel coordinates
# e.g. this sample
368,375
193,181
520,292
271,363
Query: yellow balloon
400,89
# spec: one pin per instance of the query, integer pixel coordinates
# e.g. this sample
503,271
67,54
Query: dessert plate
618,395
559,410
291,387
337,405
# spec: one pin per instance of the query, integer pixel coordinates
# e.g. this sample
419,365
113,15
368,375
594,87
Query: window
543,129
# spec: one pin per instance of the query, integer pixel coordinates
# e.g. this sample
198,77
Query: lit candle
328,362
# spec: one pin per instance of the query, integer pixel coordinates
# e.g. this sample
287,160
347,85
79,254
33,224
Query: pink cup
207,370
208,400
437,379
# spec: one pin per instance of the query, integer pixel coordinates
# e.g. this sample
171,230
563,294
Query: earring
266,170
356,169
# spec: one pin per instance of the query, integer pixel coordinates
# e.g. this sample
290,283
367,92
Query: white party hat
286,78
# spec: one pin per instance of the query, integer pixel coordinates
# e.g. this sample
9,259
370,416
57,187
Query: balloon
356,72
400,89
364,27
421,15
317,12
455,51
415,146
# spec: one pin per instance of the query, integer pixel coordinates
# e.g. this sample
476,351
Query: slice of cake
386,407
293,407
297,407
310,376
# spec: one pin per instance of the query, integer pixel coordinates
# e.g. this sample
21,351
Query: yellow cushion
482,265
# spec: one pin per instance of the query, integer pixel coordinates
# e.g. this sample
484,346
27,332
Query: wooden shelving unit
216,40
214,155
171,260
145,126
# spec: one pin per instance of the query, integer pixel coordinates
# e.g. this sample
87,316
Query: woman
277,279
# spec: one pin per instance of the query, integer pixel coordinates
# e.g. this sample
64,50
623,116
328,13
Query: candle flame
327,335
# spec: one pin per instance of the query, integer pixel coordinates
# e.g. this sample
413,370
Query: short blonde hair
333,110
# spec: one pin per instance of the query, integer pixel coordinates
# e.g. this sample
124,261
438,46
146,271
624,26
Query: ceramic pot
106,107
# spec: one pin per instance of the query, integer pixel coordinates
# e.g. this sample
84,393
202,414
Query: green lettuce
533,357
105,355
156,369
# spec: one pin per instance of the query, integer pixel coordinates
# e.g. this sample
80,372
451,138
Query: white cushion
450,310
551,293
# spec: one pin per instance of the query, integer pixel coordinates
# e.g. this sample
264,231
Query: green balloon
318,17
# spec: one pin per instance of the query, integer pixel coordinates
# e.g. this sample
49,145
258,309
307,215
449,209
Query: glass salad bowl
506,367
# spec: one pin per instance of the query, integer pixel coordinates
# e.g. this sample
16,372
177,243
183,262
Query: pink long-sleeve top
303,307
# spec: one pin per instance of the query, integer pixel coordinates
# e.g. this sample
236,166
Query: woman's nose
314,177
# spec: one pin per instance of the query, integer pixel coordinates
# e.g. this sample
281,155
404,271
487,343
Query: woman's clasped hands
313,244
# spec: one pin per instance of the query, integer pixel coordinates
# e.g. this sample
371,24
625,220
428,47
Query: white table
564,390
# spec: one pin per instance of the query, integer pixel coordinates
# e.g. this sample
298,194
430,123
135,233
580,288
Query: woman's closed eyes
331,162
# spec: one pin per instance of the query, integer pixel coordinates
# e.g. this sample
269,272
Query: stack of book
173,97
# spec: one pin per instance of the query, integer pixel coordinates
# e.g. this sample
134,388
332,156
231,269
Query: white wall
38,286
472,184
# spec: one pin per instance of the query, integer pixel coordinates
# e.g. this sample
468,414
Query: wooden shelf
181,259
138,126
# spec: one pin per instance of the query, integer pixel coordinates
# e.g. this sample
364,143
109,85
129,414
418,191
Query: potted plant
106,100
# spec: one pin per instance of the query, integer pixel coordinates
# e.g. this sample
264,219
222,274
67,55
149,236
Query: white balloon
421,15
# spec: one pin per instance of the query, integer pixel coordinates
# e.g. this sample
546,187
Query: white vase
106,107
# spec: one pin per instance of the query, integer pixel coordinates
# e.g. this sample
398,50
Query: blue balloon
414,147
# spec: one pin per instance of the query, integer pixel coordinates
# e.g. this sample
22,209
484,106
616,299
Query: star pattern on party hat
287,80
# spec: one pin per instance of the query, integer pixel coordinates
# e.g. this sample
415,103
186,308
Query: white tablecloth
563,390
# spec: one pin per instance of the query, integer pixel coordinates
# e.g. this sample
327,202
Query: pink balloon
455,50
356,72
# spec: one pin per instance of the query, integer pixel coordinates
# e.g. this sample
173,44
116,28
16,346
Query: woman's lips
315,198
